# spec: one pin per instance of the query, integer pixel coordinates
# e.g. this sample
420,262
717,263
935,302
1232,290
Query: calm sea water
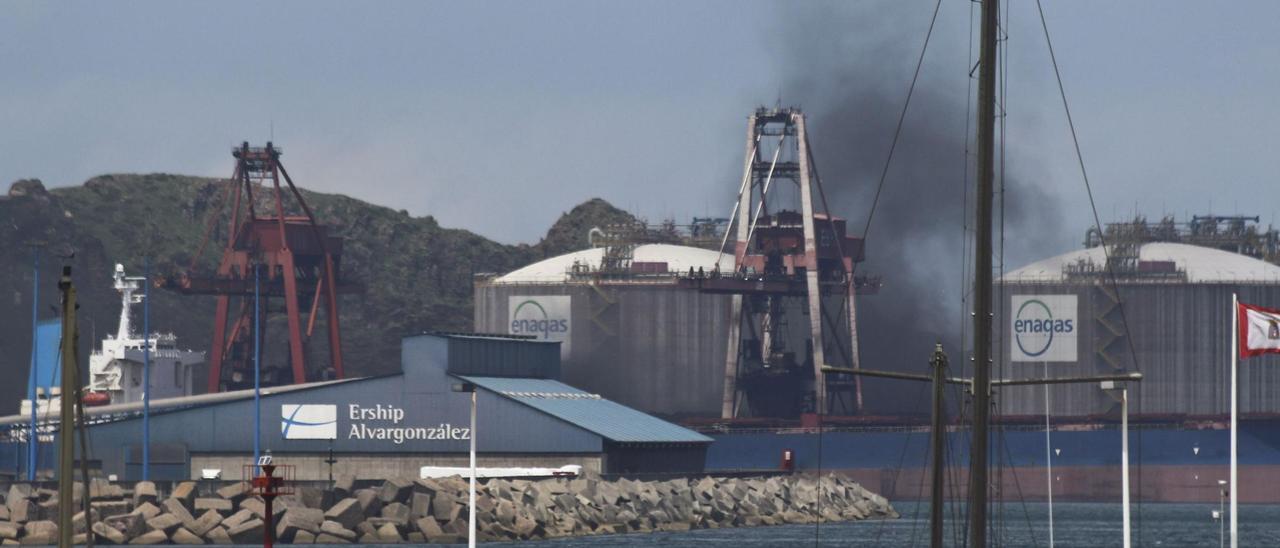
1075,524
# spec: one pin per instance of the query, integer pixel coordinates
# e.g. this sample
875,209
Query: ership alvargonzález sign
368,423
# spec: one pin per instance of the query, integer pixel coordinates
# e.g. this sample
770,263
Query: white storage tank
629,332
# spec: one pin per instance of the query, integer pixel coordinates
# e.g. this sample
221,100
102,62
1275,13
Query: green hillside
416,274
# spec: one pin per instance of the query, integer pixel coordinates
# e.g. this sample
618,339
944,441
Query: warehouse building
391,426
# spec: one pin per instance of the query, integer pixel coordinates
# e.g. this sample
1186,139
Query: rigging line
916,524
1084,174
949,457
733,217
897,472
964,200
951,476
817,524
902,117
1025,513
953,480
755,219
1001,362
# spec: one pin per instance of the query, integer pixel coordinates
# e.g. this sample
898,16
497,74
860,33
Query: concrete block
373,524
108,508
235,491
346,512
99,489
147,510
343,486
131,525
525,528
78,524
164,522
255,505
428,486
39,540
428,526
298,519
397,513
249,532
325,538
311,497
304,537
9,530
184,491
442,506
389,534
220,505
19,491
336,529
218,535
205,523
108,533
237,518
370,504
45,510
151,537
420,505
183,536
178,508
41,527
395,490
144,491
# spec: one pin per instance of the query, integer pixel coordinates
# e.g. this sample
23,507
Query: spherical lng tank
1168,306
629,334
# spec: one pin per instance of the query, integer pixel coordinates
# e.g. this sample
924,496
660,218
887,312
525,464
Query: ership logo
309,421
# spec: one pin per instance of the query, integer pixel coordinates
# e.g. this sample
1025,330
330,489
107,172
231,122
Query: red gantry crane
295,259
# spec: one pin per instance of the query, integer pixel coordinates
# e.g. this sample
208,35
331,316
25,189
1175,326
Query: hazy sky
498,116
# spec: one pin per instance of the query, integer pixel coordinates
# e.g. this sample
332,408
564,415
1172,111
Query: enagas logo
531,318
1044,328
546,317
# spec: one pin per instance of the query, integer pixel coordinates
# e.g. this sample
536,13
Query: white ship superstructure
116,369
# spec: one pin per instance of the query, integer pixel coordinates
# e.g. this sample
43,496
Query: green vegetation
417,276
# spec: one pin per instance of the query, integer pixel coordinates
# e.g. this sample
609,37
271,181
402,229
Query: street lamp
471,503
1222,495
1111,387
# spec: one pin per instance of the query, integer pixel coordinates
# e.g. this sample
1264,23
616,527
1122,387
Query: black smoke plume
848,66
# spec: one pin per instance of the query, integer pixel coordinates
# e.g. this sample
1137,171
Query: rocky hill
416,274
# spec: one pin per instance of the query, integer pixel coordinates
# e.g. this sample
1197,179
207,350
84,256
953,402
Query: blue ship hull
1169,462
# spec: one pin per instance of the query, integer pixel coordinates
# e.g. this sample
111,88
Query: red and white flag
1259,330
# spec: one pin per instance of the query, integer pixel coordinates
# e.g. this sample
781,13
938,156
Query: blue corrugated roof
609,419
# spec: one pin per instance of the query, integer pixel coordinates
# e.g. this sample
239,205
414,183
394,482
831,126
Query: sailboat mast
982,293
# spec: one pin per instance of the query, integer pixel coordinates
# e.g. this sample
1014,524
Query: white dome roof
679,258
1202,264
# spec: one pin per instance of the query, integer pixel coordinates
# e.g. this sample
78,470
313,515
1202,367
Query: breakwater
435,510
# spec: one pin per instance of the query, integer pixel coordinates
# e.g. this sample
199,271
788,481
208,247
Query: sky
498,116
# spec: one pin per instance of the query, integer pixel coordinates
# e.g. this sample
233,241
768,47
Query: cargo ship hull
1169,462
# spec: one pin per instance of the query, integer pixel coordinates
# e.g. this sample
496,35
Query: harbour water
1075,524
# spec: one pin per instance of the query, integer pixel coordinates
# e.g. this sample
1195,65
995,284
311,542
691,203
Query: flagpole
1235,356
